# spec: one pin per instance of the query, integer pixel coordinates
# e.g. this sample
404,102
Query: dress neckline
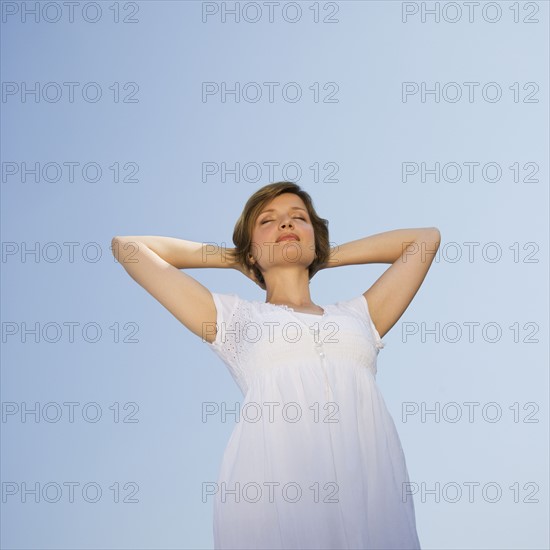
288,308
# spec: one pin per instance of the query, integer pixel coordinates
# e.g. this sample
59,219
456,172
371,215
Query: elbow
118,239
432,236
436,234
115,246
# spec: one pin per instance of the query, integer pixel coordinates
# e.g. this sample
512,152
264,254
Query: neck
288,287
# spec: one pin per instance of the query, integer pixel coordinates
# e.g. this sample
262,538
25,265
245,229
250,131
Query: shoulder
226,303
231,305
358,307
357,304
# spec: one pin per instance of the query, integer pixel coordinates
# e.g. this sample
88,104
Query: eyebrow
293,208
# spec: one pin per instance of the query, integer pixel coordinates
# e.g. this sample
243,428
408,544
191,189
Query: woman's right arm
155,263
180,253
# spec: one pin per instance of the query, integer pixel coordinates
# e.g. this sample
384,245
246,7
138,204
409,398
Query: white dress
314,461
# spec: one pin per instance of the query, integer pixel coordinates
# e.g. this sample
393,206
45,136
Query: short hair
242,233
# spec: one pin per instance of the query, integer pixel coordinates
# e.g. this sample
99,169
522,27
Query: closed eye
297,217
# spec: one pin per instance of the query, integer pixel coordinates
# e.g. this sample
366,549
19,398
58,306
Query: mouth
288,238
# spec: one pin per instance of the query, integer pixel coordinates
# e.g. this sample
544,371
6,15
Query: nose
286,223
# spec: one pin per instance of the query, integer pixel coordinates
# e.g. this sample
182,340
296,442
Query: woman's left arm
411,253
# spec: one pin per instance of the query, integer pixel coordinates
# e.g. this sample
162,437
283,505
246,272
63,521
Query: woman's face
286,213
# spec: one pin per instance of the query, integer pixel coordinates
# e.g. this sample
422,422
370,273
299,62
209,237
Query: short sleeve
226,315
361,305
231,316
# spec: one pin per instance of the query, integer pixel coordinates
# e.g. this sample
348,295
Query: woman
315,460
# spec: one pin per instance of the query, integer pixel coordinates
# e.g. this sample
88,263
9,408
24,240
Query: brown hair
242,234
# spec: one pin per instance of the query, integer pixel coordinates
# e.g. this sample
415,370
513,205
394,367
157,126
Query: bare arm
411,253
179,253
155,262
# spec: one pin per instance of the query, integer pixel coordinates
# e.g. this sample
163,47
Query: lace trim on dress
292,310
230,343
